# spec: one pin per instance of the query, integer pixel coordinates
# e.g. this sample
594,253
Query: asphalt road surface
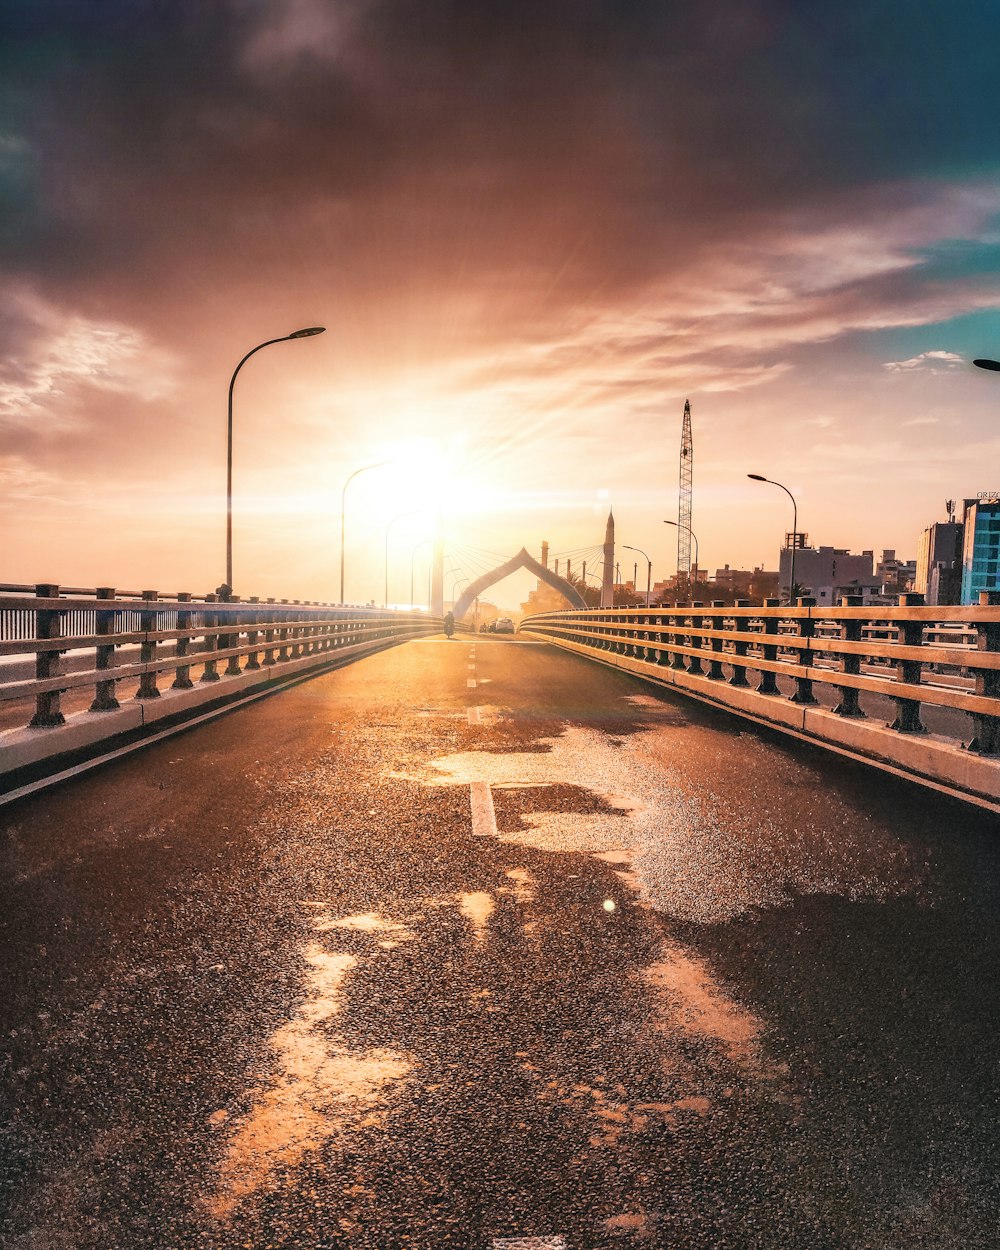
475,944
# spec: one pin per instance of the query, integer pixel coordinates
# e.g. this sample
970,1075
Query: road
476,941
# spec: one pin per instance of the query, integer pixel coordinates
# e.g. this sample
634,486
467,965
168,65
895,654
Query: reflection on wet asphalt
267,985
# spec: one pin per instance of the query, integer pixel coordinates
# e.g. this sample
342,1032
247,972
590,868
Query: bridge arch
521,561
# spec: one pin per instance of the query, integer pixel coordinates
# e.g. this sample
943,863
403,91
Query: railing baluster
253,659
697,641
850,631
48,625
677,659
803,692
715,672
182,678
233,640
909,634
769,680
269,638
147,649
738,677
104,624
283,632
987,728
211,642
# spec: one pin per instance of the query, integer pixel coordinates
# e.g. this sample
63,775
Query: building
895,576
828,573
938,575
678,586
735,582
981,547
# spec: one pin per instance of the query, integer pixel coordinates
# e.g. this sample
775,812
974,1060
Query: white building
828,573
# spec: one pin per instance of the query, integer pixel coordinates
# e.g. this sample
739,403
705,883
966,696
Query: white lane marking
475,716
472,668
471,683
484,818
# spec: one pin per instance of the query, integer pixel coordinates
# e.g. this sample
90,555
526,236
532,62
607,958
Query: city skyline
532,231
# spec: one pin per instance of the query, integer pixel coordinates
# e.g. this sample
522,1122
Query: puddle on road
477,908
366,922
319,1091
525,886
689,999
689,854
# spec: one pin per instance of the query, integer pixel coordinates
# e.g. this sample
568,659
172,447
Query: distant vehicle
503,625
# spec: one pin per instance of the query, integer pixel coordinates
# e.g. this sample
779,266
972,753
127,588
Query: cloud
52,353
933,362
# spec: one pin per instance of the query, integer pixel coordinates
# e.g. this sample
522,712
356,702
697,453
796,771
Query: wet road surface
476,944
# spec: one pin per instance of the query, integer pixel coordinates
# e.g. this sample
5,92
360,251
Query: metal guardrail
719,645
203,633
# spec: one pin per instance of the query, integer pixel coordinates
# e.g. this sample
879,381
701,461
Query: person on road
449,623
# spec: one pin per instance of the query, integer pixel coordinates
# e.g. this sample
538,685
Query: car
503,625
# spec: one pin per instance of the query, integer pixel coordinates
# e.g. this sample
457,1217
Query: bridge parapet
112,638
917,656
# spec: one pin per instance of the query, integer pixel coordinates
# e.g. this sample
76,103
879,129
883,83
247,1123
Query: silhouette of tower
684,498
608,584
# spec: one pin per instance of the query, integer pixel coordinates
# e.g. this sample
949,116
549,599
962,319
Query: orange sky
532,231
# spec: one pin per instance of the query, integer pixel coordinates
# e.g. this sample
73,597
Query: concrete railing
139,659
825,674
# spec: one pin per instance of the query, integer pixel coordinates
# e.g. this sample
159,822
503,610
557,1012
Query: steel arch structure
521,561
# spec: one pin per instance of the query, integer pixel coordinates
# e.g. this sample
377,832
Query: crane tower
684,497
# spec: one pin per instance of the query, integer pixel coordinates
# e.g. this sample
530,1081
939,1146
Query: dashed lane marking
475,716
484,818
471,683
472,668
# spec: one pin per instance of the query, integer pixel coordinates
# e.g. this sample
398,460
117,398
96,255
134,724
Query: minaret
608,585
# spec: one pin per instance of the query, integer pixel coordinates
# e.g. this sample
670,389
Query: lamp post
757,477
378,464
308,333
697,562
992,365
649,568
401,516
423,543
454,587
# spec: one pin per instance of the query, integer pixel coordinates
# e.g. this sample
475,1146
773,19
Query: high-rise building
981,548
939,562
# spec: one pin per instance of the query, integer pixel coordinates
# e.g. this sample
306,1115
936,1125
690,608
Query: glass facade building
981,553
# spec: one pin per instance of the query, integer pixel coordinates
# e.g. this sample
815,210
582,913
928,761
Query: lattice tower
684,496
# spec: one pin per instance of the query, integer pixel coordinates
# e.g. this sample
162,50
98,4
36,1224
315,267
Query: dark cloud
422,146
428,177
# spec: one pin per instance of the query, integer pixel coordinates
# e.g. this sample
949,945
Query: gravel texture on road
265,984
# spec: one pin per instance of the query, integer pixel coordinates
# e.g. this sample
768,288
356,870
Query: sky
532,229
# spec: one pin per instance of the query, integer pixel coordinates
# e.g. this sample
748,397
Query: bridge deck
477,940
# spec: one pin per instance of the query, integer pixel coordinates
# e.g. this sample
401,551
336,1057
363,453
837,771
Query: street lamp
757,477
308,333
454,587
697,562
649,567
423,543
993,365
401,516
379,464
